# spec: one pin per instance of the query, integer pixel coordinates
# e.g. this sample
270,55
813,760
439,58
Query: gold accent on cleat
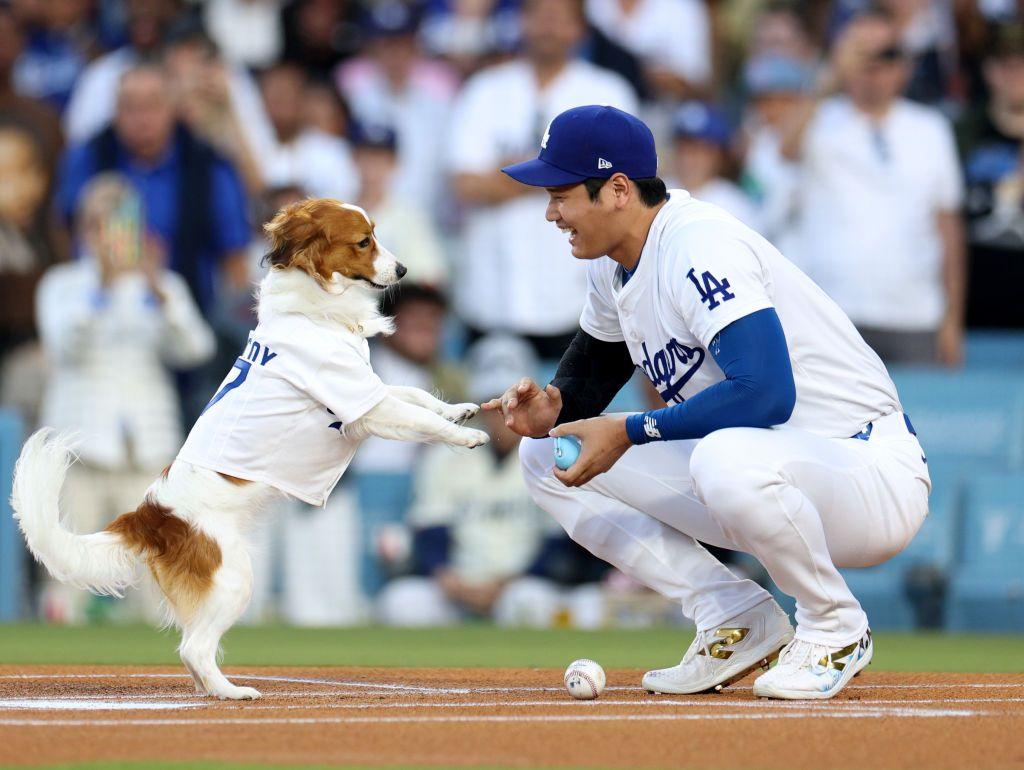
726,637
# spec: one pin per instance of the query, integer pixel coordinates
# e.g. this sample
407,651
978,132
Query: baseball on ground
584,679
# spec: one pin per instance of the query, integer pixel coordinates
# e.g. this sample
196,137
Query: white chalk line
178,700
496,718
418,689
191,695
93,704
816,706
383,686
160,701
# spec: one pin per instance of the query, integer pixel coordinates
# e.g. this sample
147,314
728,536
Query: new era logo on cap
591,141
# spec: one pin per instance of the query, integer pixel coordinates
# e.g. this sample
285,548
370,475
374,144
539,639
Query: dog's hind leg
210,619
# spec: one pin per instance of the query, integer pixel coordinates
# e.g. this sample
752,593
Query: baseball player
782,435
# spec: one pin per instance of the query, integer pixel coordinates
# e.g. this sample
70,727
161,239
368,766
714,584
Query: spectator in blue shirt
193,198
58,47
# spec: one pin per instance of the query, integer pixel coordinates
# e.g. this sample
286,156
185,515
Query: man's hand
529,410
604,440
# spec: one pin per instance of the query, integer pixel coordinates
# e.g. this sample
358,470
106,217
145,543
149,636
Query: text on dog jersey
258,354
254,353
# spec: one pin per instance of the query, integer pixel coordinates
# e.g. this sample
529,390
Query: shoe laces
800,654
700,642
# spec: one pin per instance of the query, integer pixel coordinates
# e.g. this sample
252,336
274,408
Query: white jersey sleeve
346,384
716,276
600,317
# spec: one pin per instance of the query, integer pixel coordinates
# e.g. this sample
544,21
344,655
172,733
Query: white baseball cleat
725,654
808,671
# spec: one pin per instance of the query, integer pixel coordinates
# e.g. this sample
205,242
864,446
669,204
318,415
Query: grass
466,646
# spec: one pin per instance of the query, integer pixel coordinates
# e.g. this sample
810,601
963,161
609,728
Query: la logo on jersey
709,286
663,367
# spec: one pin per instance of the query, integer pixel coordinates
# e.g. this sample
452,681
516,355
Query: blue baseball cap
777,74
587,142
700,120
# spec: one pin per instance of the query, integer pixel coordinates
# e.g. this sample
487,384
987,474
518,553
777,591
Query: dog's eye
364,243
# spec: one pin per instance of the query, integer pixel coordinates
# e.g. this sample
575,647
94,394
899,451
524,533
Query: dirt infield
460,717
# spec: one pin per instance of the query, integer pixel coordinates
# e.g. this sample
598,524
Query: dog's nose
400,269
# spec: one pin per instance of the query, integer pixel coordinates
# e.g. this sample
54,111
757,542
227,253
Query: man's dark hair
652,189
402,293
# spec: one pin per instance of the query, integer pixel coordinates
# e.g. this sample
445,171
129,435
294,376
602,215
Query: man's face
283,90
395,54
697,162
147,21
590,225
376,165
551,28
881,72
776,109
144,121
1005,77
25,180
418,327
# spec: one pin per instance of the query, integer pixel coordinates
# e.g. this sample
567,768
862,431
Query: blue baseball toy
567,451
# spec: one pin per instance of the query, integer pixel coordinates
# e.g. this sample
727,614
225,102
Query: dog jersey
701,269
278,416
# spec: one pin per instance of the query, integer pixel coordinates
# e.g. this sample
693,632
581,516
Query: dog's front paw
460,412
470,437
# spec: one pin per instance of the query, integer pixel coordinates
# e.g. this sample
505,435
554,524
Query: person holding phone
113,324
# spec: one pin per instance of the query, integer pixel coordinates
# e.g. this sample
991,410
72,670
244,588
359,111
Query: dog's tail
103,562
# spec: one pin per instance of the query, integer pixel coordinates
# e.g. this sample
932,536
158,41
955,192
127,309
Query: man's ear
622,190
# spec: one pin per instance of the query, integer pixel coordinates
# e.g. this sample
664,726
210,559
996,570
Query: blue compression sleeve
757,392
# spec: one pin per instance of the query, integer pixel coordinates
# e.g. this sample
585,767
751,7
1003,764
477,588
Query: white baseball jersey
501,114
700,270
496,529
278,416
870,195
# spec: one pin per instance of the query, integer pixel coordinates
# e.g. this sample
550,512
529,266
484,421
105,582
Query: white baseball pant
801,503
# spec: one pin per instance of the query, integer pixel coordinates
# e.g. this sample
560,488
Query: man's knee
728,477
537,457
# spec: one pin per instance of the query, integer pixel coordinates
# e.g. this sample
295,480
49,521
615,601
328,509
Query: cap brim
539,173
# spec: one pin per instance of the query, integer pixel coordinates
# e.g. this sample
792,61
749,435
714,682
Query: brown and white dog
327,266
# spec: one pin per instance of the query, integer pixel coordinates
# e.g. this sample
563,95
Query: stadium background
963,573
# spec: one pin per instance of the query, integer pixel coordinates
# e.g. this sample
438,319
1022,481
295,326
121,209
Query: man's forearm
589,375
954,264
487,189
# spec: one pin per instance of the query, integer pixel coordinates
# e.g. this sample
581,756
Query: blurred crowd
143,144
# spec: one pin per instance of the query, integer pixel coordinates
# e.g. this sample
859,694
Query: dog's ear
296,238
